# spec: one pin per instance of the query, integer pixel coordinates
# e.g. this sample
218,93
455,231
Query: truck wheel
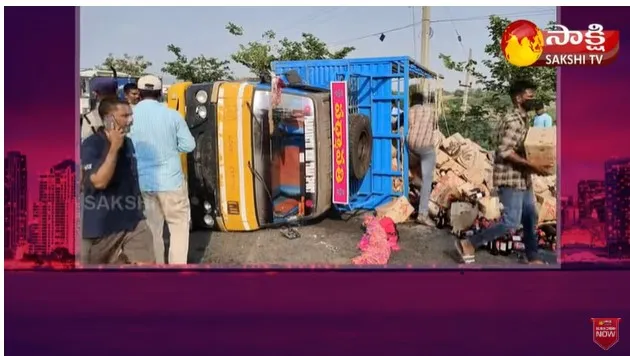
360,141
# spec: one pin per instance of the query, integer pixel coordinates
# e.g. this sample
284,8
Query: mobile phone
108,121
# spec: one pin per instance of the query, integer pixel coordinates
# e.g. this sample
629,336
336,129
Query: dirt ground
332,242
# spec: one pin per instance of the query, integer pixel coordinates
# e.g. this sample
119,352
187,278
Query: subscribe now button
606,332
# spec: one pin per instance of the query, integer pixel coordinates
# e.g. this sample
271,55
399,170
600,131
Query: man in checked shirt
512,175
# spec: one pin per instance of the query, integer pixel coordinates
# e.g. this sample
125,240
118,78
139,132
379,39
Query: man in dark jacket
114,226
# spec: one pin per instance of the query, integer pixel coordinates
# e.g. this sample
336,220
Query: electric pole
415,33
424,48
466,85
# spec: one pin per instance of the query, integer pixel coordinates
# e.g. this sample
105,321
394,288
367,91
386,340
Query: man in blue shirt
542,119
114,228
160,135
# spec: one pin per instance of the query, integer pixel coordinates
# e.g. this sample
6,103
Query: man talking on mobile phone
114,226
513,176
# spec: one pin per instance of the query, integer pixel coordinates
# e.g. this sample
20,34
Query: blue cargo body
373,84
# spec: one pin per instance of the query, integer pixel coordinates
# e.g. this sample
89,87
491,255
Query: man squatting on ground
114,227
512,176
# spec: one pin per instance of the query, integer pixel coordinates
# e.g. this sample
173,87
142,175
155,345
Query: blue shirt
118,207
397,115
159,135
543,120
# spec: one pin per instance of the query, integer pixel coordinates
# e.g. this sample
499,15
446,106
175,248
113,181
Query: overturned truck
319,135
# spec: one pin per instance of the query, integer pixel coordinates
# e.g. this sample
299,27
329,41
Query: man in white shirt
101,88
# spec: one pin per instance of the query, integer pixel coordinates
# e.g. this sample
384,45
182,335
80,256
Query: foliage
258,55
491,100
503,73
198,69
132,65
476,126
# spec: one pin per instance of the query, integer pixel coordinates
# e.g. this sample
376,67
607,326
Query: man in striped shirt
420,141
160,135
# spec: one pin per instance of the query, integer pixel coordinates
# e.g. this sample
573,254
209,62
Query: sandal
466,258
537,262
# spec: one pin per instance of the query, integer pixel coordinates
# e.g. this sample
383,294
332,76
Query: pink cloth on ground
378,241
392,235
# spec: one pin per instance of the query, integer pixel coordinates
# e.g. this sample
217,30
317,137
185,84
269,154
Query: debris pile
462,184
463,196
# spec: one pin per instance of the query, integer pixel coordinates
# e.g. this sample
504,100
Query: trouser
174,208
126,247
426,155
519,208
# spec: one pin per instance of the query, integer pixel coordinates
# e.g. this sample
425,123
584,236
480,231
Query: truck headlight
201,96
201,111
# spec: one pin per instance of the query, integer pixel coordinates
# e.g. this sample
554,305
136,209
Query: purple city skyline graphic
309,312
44,228
596,225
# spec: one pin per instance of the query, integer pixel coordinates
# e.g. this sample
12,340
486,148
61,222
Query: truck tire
360,142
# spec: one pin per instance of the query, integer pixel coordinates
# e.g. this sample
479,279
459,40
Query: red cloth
392,235
378,241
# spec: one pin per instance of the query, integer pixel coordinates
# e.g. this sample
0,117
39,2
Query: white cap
149,82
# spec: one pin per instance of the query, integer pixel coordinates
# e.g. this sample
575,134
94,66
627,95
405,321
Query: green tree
198,69
258,55
132,65
491,99
502,73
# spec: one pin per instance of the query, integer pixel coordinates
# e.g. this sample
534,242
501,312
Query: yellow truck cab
247,172
176,100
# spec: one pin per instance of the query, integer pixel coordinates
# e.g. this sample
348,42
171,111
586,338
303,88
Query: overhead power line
461,19
313,17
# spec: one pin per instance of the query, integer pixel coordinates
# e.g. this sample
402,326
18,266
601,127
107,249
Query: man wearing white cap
160,135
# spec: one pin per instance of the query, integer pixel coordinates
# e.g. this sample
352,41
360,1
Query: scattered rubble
463,193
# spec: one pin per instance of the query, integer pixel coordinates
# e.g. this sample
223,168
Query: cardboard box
452,144
462,216
540,146
490,207
454,167
441,158
447,190
398,210
546,209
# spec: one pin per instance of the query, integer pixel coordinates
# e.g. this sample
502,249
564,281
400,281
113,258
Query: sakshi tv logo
524,45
